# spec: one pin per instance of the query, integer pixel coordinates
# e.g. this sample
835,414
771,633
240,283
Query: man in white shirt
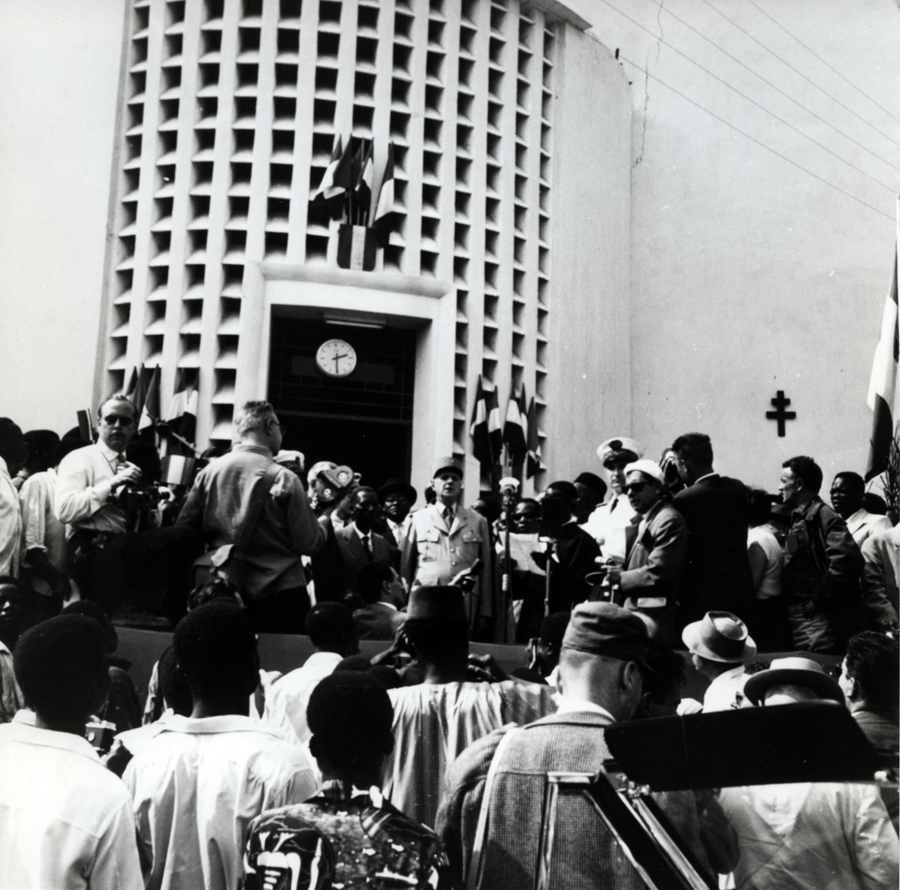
65,820
332,632
13,452
720,645
847,492
608,523
197,785
108,559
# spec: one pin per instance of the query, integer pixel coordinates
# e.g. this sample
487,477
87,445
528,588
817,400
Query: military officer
608,522
443,539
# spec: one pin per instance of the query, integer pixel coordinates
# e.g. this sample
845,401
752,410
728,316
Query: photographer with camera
139,575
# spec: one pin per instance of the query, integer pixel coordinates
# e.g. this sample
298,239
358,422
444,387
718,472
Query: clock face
336,358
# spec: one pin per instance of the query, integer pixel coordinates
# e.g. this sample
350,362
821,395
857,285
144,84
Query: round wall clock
336,358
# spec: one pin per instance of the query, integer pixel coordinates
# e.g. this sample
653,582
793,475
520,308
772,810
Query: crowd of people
425,764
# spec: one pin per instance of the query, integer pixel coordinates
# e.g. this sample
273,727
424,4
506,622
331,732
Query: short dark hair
350,717
362,489
564,489
173,685
873,660
216,648
437,638
90,609
60,666
694,448
873,503
328,625
807,471
372,576
12,442
41,442
760,506
118,397
594,483
854,481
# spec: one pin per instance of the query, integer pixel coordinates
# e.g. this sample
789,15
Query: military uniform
433,552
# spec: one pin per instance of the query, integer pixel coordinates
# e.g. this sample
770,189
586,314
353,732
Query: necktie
448,515
366,547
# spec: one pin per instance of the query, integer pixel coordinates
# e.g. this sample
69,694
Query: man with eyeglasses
656,548
138,576
270,576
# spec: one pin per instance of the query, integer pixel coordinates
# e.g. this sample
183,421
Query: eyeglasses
635,487
120,419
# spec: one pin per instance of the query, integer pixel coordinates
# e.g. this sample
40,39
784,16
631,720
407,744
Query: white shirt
82,494
607,526
720,695
196,787
287,698
762,536
10,524
65,820
862,525
823,836
42,529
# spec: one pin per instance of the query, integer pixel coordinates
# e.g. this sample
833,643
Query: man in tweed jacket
601,664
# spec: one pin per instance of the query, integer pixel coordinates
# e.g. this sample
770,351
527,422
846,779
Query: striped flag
478,430
327,182
514,427
182,414
534,463
884,397
150,409
495,427
364,183
385,214
342,183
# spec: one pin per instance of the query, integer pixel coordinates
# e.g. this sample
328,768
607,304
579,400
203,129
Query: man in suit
881,571
604,654
397,498
657,545
716,510
444,539
847,492
358,542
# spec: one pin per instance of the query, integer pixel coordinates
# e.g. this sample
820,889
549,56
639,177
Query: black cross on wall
779,414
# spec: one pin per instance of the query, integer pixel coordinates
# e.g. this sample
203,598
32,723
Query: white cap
649,468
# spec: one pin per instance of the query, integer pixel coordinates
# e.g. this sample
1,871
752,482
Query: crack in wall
659,41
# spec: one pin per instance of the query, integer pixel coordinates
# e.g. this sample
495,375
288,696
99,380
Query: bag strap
257,501
475,863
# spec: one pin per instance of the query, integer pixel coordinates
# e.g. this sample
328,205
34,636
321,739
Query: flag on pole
131,390
514,427
342,183
385,213
137,389
327,182
481,443
182,413
150,409
364,183
495,428
884,397
534,463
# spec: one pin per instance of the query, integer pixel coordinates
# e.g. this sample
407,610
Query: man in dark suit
601,666
717,512
359,544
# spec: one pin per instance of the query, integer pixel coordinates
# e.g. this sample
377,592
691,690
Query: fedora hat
797,670
400,486
719,636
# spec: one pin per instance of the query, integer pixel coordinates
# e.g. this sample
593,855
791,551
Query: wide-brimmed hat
719,636
797,670
446,603
400,486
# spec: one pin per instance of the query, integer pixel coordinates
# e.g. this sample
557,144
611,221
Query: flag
495,428
534,463
150,409
385,212
137,389
328,177
342,183
481,443
883,390
514,427
131,389
364,182
182,413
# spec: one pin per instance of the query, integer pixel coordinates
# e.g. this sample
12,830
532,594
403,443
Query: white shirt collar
574,705
212,725
707,476
111,455
50,738
730,674
360,532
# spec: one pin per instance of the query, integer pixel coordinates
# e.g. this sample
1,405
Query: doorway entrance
363,419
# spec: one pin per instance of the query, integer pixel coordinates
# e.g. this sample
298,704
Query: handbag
227,561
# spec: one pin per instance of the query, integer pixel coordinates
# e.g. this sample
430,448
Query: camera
100,734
